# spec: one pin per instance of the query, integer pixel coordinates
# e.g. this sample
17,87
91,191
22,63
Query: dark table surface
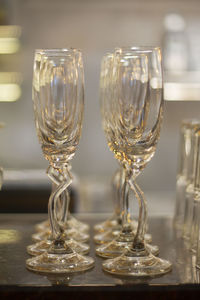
16,281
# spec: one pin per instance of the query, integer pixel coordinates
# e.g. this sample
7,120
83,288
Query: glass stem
65,179
116,186
125,202
142,219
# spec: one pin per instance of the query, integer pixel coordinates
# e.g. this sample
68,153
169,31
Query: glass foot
130,264
59,263
69,233
110,235
117,248
42,246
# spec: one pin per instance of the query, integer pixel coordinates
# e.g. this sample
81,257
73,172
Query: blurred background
95,27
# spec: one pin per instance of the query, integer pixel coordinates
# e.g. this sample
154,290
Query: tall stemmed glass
108,228
133,130
71,220
43,239
118,238
58,117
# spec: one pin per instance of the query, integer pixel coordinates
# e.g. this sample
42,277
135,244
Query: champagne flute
58,117
43,239
71,220
132,131
117,238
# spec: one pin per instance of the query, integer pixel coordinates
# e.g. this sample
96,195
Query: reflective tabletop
15,235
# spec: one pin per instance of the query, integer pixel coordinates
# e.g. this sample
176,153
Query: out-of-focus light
9,45
9,39
174,91
9,92
9,236
10,89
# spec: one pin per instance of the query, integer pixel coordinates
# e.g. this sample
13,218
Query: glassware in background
132,116
58,108
195,239
185,169
195,196
191,178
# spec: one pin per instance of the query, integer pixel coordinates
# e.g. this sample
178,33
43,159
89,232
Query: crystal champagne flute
43,239
118,238
58,116
132,130
71,220
108,229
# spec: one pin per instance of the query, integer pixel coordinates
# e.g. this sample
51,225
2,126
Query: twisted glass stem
125,203
142,219
116,190
62,178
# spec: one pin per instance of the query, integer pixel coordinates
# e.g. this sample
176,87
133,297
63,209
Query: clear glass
58,107
73,236
111,228
124,222
132,116
185,171
192,180
192,232
72,222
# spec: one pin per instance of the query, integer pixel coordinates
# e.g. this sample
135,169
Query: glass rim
56,50
148,50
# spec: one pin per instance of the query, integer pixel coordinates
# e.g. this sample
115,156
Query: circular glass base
42,246
117,248
72,222
59,263
69,233
133,265
110,235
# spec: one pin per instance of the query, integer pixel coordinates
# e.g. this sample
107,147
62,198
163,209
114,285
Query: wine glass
107,229
110,228
115,219
58,110
71,220
123,235
132,124
43,238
